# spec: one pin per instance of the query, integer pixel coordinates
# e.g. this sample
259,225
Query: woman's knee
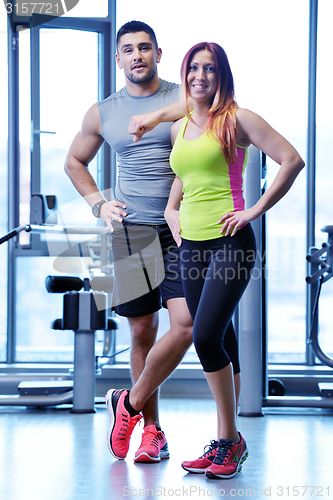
211,354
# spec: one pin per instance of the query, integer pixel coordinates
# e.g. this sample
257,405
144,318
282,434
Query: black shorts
147,269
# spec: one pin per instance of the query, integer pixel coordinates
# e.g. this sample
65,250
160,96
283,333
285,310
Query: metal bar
35,110
250,306
113,49
13,179
311,166
55,400
107,76
35,149
298,402
55,229
264,285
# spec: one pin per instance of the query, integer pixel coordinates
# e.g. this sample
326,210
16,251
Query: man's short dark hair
135,27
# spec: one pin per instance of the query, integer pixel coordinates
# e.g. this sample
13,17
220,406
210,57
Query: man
138,205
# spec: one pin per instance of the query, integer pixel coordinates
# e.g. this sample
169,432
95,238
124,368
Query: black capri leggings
215,274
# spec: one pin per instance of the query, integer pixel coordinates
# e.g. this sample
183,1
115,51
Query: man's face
138,57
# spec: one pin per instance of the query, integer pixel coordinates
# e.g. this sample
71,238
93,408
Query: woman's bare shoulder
175,127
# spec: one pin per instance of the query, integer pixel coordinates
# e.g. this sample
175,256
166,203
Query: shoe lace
148,437
223,451
128,424
209,448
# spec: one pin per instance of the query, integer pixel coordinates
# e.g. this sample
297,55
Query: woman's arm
254,130
171,213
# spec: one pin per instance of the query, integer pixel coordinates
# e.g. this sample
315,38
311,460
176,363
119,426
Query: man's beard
141,78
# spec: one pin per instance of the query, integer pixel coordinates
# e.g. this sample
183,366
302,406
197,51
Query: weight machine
85,310
321,266
320,271
258,390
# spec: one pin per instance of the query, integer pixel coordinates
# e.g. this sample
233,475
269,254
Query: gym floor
52,454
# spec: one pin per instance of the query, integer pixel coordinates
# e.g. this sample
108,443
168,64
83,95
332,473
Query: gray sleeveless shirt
144,174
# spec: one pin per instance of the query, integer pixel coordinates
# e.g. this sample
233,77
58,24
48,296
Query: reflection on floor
55,455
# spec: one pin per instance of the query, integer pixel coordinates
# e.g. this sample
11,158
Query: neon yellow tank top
211,186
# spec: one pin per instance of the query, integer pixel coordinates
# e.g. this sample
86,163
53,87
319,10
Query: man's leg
168,351
161,360
143,336
122,422
165,355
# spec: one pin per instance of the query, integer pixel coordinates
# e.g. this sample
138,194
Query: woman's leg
237,388
221,384
212,305
231,348
213,288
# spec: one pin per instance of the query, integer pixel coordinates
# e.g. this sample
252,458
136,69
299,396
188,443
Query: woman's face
201,78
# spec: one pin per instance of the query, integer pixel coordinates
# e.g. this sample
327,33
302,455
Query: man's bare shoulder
92,121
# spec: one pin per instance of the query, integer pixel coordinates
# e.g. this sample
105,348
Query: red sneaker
121,423
229,459
202,463
153,447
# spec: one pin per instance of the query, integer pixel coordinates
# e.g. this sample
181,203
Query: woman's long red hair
222,113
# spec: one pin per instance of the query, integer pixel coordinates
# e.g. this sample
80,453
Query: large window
87,8
60,67
267,45
67,90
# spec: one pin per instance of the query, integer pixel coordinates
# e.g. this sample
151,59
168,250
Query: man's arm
83,149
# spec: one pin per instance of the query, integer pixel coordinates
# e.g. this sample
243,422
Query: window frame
106,177
38,249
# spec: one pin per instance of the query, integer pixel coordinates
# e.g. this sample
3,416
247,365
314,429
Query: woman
212,228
